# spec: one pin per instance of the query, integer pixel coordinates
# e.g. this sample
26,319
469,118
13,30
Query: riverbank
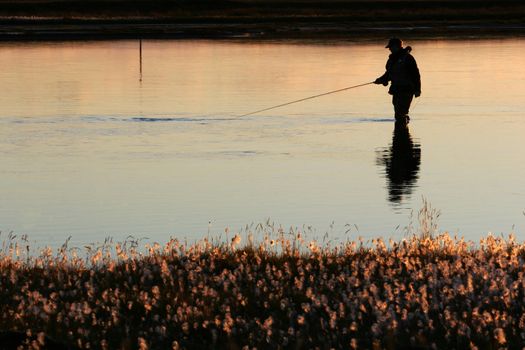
28,20
424,293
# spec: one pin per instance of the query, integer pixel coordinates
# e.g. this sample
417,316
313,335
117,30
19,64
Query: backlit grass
433,292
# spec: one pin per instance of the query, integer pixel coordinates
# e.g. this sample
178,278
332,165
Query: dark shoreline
71,20
87,30
234,31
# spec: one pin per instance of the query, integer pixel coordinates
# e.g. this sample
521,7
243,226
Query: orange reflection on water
85,149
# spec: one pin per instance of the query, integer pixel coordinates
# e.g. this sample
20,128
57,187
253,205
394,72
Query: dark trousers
401,104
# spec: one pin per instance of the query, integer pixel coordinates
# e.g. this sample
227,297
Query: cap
394,42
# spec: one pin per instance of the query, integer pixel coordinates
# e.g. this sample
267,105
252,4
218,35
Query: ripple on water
176,119
359,120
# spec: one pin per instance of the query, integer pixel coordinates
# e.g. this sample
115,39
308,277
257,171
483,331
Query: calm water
89,150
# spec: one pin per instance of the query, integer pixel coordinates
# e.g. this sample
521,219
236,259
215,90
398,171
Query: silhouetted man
402,72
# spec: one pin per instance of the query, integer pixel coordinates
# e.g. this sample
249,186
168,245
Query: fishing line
304,99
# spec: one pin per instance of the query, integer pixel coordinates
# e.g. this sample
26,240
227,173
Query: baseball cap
394,42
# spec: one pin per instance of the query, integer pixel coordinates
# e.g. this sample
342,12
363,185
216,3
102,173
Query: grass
426,291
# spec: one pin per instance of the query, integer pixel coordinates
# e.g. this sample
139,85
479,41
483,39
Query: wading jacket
402,71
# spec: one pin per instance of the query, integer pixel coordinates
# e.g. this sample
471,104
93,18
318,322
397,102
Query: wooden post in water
140,59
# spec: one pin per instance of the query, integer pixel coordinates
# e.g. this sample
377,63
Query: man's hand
382,81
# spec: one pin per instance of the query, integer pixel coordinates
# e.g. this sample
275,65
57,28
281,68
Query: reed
282,291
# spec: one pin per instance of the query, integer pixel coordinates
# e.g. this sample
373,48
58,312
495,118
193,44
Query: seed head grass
284,291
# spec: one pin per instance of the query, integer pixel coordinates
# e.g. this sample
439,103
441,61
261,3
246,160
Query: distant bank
81,19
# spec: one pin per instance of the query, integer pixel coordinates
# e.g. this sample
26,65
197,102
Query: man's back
403,72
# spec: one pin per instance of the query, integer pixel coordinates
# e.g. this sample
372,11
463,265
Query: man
402,72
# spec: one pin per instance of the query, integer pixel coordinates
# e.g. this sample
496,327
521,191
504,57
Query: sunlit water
90,150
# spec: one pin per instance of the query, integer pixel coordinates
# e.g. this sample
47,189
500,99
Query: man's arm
382,79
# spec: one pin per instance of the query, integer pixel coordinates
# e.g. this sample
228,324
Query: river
95,143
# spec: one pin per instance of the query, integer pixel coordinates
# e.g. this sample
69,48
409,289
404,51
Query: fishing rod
304,99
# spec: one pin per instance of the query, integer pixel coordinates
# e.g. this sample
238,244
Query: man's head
394,45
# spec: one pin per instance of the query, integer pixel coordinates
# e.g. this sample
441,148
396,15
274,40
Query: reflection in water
401,162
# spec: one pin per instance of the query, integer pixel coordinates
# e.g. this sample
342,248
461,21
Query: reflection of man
401,163
402,72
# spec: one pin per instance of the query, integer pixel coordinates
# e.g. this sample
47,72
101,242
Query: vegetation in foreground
432,292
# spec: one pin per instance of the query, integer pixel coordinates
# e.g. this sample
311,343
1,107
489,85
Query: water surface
92,148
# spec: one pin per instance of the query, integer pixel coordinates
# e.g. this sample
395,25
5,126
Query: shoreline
299,30
287,19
